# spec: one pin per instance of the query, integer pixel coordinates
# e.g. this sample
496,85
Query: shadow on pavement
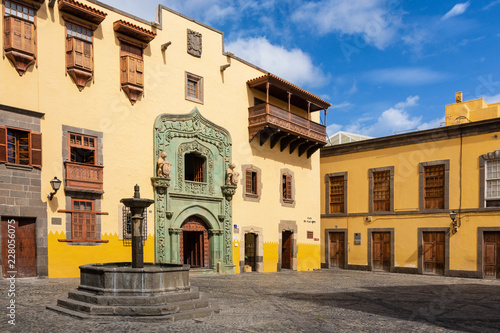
467,307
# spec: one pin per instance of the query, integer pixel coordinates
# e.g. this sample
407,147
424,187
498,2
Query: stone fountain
136,290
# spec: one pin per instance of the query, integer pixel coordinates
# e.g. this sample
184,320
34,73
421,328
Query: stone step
167,298
134,310
190,314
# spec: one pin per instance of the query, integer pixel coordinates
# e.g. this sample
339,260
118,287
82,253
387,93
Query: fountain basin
120,279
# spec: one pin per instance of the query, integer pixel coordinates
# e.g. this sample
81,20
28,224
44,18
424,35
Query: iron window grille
127,224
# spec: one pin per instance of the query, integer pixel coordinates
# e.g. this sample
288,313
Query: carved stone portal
208,199
194,43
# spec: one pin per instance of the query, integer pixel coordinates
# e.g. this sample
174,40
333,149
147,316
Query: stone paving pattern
317,301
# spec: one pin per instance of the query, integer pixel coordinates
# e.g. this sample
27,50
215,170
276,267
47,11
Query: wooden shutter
70,59
124,69
3,144
87,56
337,194
29,40
78,52
139,71
8,21
434,187
17,34
288,185
131,70
36,149
248,181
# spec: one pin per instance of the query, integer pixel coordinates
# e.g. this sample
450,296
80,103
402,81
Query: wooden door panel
433,252
337,252
250,245
381,251
491,255
25,247
286,251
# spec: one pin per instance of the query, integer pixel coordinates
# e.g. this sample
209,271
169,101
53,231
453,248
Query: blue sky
385,65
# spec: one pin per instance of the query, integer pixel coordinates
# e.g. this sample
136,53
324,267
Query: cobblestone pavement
318,301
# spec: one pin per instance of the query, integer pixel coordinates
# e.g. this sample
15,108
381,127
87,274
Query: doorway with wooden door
251,250
381,251
194,243
491,255
337,250
18,250
286,249
433,252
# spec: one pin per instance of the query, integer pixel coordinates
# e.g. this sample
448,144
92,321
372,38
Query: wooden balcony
83,177
285,128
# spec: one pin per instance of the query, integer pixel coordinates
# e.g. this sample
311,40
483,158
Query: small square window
194,88
310,235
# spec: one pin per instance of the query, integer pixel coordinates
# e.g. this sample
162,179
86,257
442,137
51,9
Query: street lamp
55,184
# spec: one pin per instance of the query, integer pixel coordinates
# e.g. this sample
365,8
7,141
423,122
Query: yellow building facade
424,202
93,96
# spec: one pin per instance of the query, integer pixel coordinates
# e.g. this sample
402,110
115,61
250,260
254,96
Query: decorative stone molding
194,45
228,191
195,187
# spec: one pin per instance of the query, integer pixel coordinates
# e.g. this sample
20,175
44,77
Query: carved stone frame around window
287,202
495,155
421,185
199,87
250,196
327,193
370,187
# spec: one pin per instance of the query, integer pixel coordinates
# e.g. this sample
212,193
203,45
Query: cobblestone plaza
316,301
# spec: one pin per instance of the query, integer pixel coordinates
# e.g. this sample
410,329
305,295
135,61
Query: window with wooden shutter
3,145
83,220
79,54
19,35
381,191
132,71
287,187
82,148
18,146
194,88
434,187
337,195
250,182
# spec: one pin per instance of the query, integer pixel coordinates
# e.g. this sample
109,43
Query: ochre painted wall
405,159
128,131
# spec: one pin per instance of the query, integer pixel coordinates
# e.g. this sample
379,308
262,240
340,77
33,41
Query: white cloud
491,99
372,19
491,4
332,129
394,119
341,105
408,76
458,9
293,65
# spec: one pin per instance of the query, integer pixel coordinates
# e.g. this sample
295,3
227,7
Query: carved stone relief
195,187
194,45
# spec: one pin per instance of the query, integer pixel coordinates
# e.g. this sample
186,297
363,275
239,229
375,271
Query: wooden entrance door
433,252
194,243
491,254
250,246
286,250
381,250
19,256
337,253
193,248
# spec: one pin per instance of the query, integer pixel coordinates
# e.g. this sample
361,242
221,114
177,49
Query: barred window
337,195
434,187
382,191
127,224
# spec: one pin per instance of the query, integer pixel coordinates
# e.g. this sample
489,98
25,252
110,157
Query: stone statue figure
232,175
164,167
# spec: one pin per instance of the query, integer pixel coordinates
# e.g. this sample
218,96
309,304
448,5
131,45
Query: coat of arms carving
194,43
